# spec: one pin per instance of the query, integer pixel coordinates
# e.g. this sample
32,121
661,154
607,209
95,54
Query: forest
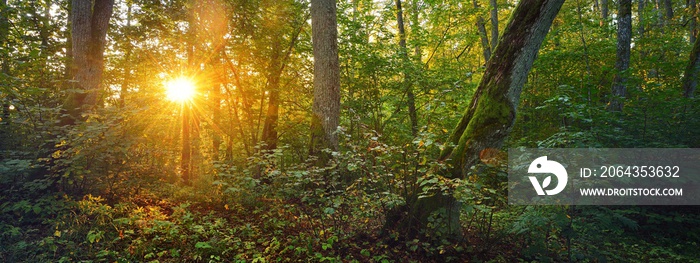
333,131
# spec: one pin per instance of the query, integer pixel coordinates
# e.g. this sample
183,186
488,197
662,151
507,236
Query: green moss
489,115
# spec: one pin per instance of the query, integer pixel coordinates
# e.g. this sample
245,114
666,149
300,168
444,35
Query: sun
180,89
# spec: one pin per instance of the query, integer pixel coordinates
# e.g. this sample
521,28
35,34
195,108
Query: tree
692,7
279,59
603,12
690,77
481,26
326,102
622,64
89,24
491,114
494,24
411,97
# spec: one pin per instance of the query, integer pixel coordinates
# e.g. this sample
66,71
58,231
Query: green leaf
202,245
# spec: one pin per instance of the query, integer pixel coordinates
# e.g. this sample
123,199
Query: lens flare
180,89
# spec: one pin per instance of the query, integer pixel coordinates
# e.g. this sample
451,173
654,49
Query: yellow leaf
226,206
57,233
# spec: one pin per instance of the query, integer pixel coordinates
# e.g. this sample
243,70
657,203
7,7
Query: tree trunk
411,100
216,102
481,26
624,38
494,24
690,78
186,110
4,70
603,12
692,6
186,154
640,15
126,75
269,133
4,33
326,103
89,22
275,69
490,116
668,5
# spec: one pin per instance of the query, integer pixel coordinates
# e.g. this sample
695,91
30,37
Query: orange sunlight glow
180,89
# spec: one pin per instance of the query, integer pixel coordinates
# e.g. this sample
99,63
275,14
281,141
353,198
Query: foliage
109,188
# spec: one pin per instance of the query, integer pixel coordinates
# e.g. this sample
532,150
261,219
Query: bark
411,101
216,95
415,29
494,24
490,116
269,134
640,15
692,6
186,154
4,32
603,12
275,69
690,78
624,38
326,103
481,26
4,70
89,24
668,6
127,66
186,110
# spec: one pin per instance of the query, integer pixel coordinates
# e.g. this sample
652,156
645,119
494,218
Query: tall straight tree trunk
275,69
411,100
326,103
4,69
668,6
127,67
269,133
481,26
4,33
490,116
494,24
187,111
640,16
692,7
186,154
690,78
624,40
216,97
89,24
415,32
603,12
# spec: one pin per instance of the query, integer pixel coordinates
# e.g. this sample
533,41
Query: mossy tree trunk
490,116
326,104
89,24
690,77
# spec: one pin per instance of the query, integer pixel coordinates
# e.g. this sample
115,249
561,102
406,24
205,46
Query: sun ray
180,89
